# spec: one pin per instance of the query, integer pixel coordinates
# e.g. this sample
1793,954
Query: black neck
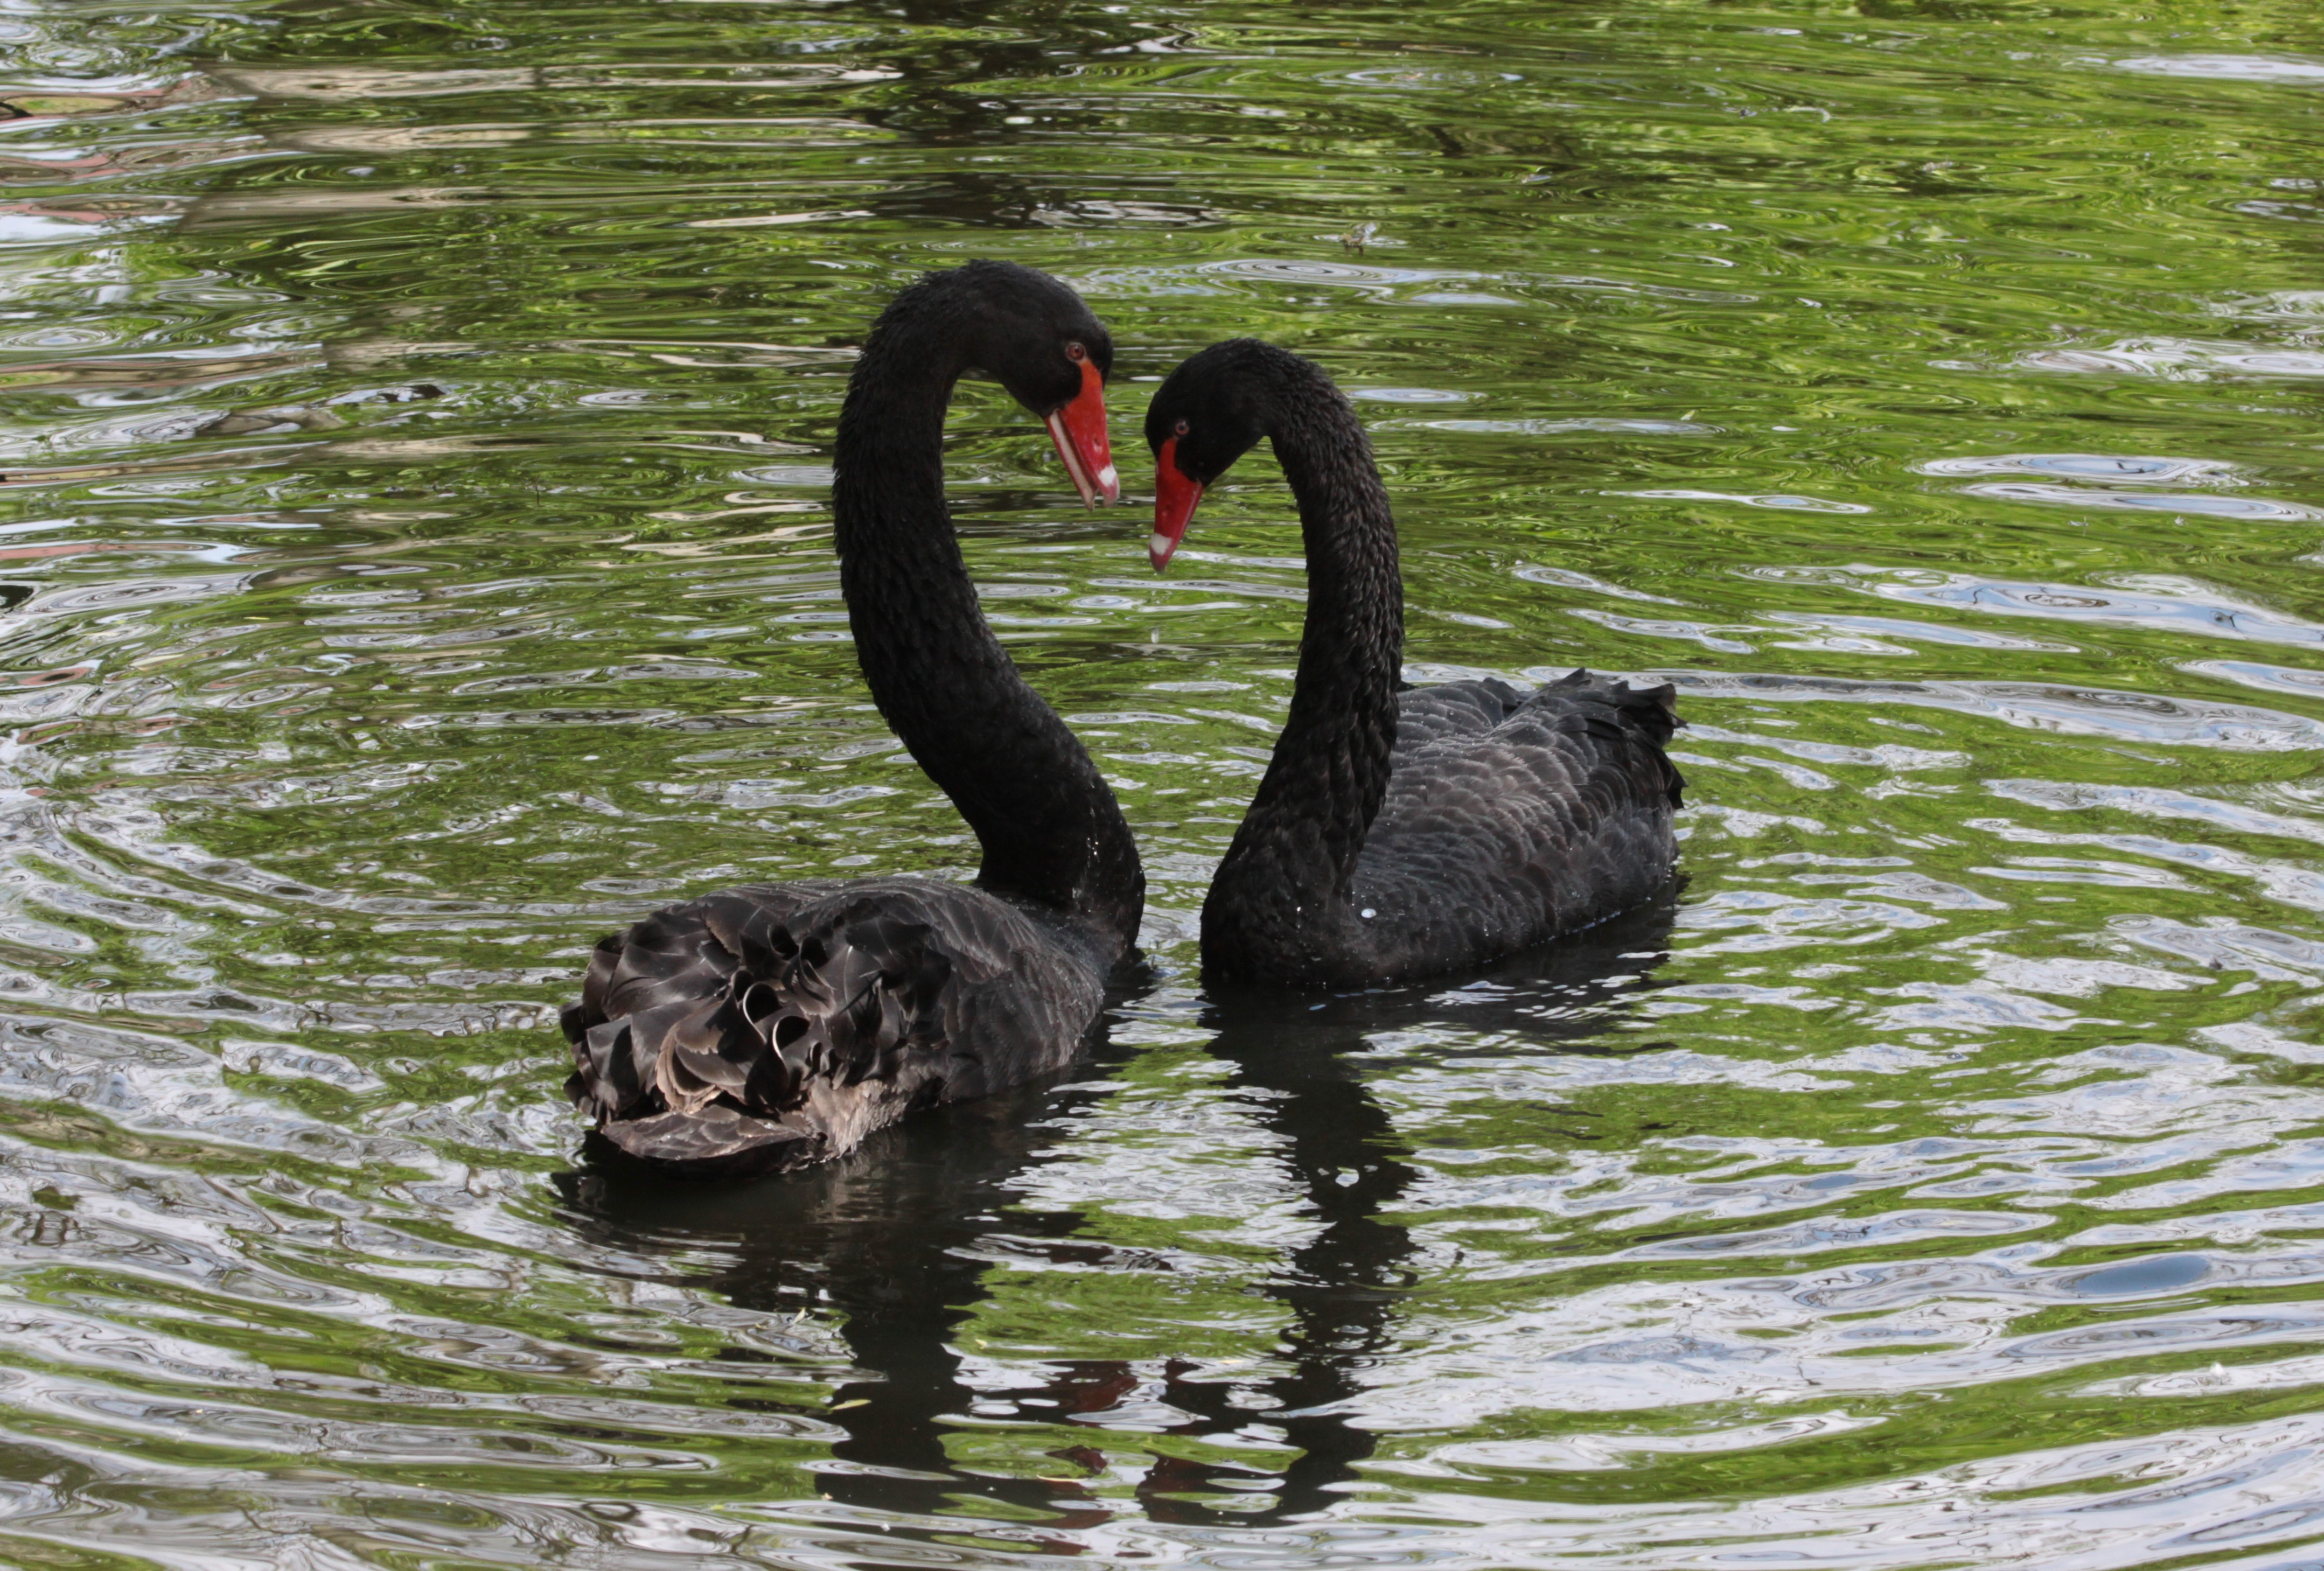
1050,829
1293,860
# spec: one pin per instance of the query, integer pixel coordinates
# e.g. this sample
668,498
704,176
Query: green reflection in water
415,431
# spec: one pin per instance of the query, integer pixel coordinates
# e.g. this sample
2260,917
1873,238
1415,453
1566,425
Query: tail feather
1641,714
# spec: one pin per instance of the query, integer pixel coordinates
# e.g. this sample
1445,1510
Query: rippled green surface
415,545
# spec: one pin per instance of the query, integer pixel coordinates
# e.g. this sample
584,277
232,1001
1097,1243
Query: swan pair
1399,833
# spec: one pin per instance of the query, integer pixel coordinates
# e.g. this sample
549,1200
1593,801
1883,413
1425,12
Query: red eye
1181,429
1076,353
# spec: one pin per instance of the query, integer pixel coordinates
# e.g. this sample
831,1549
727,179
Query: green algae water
415,422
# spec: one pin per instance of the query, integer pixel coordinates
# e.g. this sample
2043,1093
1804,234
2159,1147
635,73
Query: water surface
416,560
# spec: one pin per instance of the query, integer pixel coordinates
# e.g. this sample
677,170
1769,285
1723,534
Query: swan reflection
893,1245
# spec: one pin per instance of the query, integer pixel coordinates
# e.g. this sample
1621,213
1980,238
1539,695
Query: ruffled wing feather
778,1025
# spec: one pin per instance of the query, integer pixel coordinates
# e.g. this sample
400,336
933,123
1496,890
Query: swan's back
777,1024
1512,818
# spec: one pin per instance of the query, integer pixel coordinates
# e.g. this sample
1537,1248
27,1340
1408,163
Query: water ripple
420,436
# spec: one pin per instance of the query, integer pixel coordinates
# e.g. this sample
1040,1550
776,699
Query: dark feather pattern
779,1024
1403,832
1511,818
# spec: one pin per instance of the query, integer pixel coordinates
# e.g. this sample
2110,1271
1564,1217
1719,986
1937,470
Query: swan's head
1039,339
1212,410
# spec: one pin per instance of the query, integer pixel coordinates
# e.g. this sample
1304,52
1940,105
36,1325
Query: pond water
415,547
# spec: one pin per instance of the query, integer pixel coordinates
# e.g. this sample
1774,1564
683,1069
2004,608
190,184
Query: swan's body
1400,833
905,993
779,1024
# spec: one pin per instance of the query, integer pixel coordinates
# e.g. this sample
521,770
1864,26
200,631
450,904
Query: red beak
1079,431
1175,497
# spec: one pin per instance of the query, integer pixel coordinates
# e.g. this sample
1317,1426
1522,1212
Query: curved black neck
1290,867
1050,829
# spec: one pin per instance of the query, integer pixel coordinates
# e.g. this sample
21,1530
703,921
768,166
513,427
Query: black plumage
1402,833
779,1024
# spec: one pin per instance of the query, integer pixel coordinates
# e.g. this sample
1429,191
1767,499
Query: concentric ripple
415,562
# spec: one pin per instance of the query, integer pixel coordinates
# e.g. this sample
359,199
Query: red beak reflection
1079,431
1175,497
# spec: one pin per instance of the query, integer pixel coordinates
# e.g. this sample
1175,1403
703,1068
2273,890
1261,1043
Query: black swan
779,1024
1398,832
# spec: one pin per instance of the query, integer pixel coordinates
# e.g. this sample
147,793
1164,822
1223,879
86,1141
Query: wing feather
1512,818
779,1024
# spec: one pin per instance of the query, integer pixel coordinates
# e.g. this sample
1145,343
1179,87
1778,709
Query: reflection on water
896,1241
414,474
